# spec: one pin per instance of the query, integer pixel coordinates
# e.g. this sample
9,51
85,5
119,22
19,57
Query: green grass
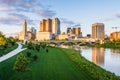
54,65
23,46
8,49
93,70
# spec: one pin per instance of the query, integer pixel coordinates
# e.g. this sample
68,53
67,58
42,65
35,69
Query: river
108,59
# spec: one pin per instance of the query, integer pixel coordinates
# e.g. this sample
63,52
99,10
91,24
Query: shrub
21,64
28,54
35,57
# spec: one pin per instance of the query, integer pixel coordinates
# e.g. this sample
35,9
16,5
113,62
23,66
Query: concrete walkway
12,53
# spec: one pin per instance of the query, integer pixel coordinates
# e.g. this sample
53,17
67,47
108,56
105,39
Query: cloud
27,6
66,21
6,9
113,17
11,34
117,15
14,19
45,13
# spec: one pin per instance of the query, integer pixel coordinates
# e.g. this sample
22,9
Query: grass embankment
8,49
109,45
93,70
54,65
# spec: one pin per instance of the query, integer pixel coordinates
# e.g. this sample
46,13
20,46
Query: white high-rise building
98,31
55,26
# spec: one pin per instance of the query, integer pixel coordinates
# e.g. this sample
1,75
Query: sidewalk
12,53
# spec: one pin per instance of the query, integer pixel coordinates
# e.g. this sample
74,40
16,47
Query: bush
35,57
30,45
21,64
28,54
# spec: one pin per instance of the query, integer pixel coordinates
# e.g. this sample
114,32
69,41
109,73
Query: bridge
74,42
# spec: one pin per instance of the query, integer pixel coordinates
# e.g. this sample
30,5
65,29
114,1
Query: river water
108,59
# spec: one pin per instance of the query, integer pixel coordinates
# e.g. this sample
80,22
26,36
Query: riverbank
93,70
108,44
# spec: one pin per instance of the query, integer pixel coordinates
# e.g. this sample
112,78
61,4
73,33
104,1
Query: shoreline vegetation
92,69
53,63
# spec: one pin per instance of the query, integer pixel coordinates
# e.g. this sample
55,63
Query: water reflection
98,55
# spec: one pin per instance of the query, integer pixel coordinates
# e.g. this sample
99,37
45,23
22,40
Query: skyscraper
55,26
76,30
43,26
24,28
69,31
98,31
48,25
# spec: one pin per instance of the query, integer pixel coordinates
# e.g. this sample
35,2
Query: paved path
12,53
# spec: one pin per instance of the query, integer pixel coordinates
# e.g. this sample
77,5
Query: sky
82,13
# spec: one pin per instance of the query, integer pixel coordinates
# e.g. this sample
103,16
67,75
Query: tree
30,45
21,64
28,54
3,41
35,57
11,40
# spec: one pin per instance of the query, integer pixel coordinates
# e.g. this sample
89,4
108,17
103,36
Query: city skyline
71,13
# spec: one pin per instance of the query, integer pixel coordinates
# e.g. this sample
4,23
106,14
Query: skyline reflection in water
98,55
108,59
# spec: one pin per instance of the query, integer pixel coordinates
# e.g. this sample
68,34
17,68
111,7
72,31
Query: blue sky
70,13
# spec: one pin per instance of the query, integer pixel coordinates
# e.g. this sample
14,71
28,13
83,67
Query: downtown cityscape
59,40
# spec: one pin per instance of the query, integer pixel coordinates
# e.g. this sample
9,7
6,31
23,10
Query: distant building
56,26
41,36
27,35
115,36
69,31
43,26
98,31
48,25
23,33
76,30
62,37
88,35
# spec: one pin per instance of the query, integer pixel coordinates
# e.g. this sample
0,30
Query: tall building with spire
26,35
24,28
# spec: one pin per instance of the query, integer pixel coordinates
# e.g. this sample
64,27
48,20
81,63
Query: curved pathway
12,53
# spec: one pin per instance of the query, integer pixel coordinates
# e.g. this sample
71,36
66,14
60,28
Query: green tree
21,64
3,41
11,40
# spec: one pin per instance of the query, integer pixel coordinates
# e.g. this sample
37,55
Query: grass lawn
54,65
8,49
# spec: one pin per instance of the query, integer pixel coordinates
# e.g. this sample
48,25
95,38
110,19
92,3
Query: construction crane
115,28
